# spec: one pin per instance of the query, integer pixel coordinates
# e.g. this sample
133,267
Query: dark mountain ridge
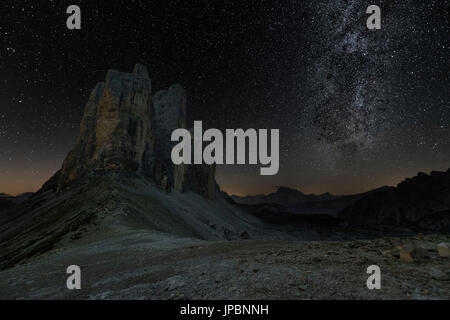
419,203
16,199
5,204
422,202
8,201
283,196
295,201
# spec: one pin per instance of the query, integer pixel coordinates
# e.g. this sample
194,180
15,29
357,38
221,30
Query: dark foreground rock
145,265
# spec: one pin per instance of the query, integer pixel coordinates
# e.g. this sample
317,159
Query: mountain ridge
413,202
295,201
421,202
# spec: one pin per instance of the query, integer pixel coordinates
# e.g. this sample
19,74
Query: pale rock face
196,178
170,114
125,128
170,109
116,128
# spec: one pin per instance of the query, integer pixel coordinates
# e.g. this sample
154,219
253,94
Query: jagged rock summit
127,129
119,181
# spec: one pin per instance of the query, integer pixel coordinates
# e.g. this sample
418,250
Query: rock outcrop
127,129
170,114
422,202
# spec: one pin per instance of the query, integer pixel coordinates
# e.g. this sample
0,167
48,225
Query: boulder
413,252
406,253
443,250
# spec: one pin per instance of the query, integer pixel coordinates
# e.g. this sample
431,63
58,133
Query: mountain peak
141,70
288,191
125,128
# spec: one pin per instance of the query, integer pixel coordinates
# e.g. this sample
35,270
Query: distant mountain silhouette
295,201
422,202
16,199
7,201
284,196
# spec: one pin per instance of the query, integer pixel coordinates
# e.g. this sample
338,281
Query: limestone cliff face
126,129
170,114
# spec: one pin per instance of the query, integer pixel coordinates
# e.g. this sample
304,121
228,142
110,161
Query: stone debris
418,251
406,253
421,251
414,252
443,250
437,274
222,270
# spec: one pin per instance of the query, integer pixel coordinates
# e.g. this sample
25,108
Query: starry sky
356,108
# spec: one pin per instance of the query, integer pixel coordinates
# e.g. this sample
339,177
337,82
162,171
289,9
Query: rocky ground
149,265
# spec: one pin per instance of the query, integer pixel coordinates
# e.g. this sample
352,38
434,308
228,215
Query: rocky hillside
422,202
119,178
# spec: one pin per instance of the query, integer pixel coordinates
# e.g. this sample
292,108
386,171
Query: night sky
357,109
